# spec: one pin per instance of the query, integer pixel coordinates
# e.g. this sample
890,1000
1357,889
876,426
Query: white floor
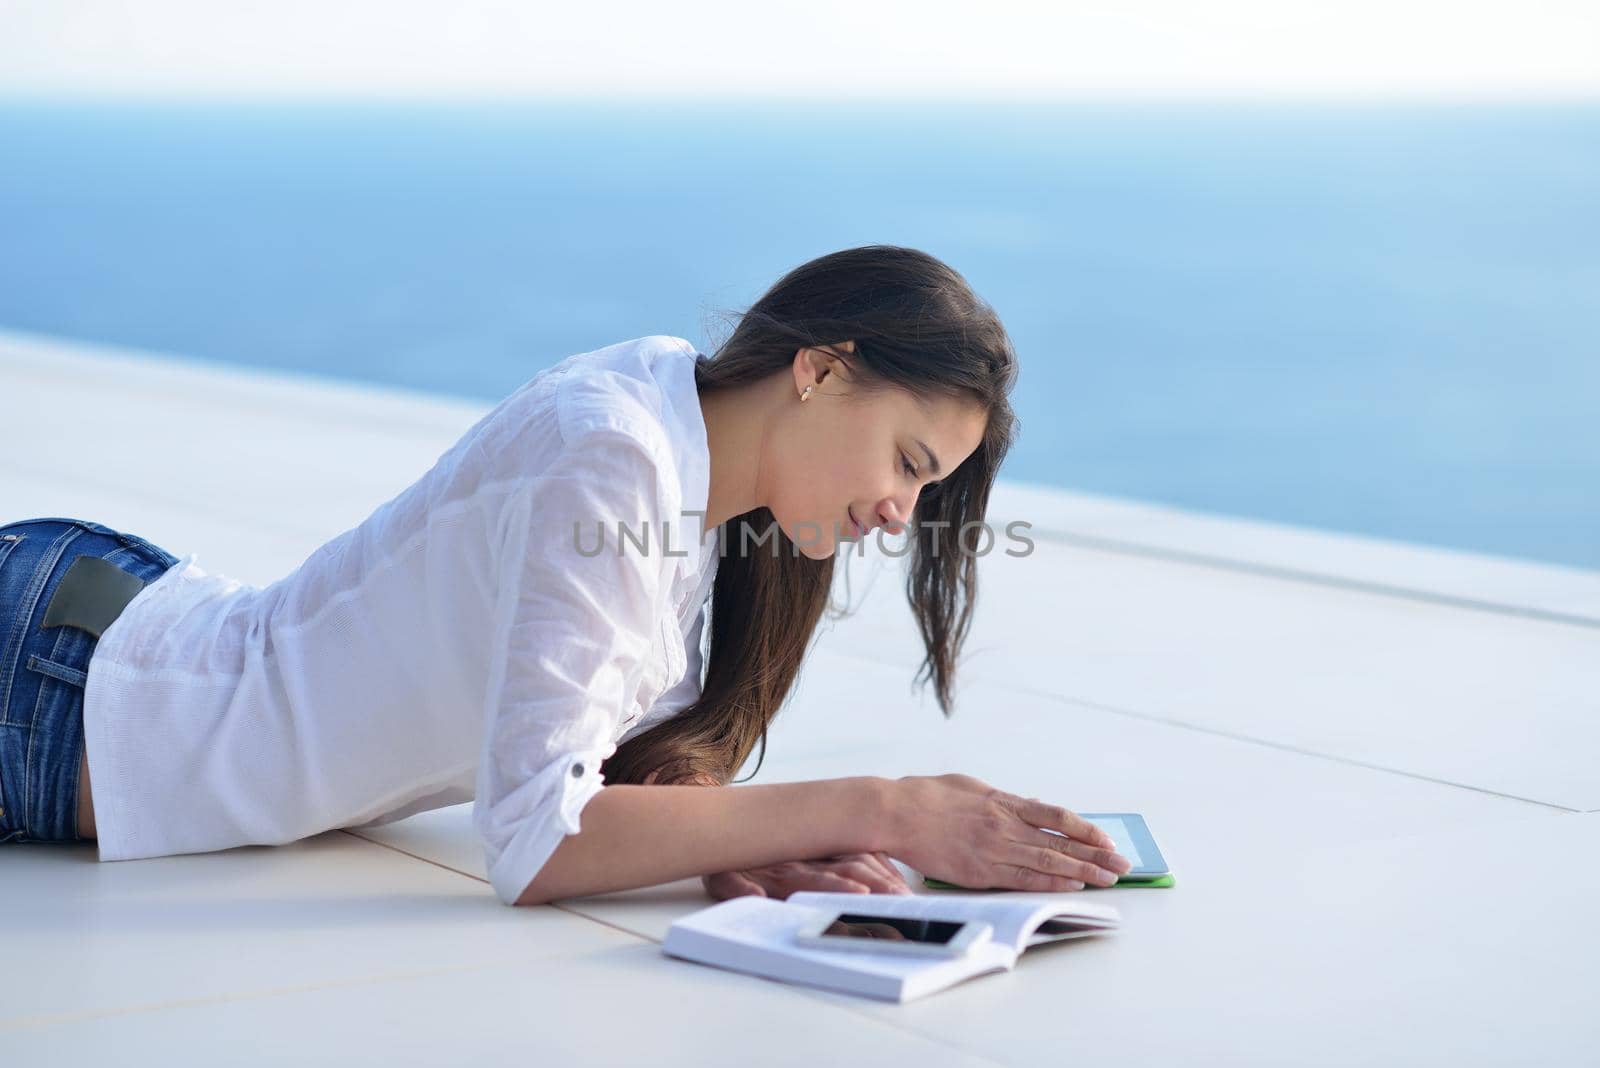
1372,766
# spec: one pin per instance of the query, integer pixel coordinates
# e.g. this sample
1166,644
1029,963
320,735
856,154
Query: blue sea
1380,319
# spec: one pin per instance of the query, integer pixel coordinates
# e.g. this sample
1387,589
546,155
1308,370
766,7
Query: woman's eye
905,465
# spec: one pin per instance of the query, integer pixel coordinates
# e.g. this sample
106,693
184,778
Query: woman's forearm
643,835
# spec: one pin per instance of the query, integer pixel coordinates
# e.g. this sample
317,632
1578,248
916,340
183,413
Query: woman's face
846,453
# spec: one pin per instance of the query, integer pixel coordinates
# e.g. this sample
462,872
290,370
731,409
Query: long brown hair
916,325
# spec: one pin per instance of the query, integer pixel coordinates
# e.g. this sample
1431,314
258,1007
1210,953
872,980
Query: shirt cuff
564,787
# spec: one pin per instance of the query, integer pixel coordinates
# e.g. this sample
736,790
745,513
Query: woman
482,636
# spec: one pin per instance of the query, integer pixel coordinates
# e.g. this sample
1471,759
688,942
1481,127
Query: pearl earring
806,394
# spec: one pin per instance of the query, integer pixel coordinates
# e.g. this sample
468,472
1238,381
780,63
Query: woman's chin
815,541
819,550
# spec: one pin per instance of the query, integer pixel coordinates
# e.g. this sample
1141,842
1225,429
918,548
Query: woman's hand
964,831
850,873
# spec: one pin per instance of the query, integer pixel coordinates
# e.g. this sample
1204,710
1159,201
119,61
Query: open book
756,935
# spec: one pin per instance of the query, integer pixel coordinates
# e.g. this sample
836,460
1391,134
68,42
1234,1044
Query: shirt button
577,771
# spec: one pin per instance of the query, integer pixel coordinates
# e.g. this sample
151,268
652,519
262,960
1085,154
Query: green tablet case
1158,881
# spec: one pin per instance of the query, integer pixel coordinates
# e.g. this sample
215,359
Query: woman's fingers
854,873
896,878
1020,877
778,881
1056,818
1109,860
893,881
781,880
864,868
1052,862
726,884
818,879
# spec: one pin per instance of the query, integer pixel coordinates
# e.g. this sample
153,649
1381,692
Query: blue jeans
42,672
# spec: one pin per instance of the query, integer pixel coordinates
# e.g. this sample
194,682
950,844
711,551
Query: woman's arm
849,873
642,835
953,827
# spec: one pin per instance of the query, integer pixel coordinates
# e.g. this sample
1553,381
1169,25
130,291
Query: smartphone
900,935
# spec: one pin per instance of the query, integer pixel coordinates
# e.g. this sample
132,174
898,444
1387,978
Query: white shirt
460,644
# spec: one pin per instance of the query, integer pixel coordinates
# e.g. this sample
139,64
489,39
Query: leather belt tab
91,595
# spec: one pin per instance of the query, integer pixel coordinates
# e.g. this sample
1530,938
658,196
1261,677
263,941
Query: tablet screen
1118,830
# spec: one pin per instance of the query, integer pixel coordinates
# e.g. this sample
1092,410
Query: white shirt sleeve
579,631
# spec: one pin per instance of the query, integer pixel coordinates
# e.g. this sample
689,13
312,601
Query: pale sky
817,49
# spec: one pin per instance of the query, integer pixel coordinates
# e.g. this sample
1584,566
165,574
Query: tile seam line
480,879
1217,732
846,1003
798,988
1289,574
1283,746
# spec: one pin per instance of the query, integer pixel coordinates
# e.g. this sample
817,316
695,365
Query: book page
1051,918
1061,930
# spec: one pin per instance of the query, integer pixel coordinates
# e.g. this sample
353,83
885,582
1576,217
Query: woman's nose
893,515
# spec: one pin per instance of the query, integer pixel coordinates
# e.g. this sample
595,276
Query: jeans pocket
64,672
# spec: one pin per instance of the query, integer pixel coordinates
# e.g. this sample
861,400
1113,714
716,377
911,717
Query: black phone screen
852,925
